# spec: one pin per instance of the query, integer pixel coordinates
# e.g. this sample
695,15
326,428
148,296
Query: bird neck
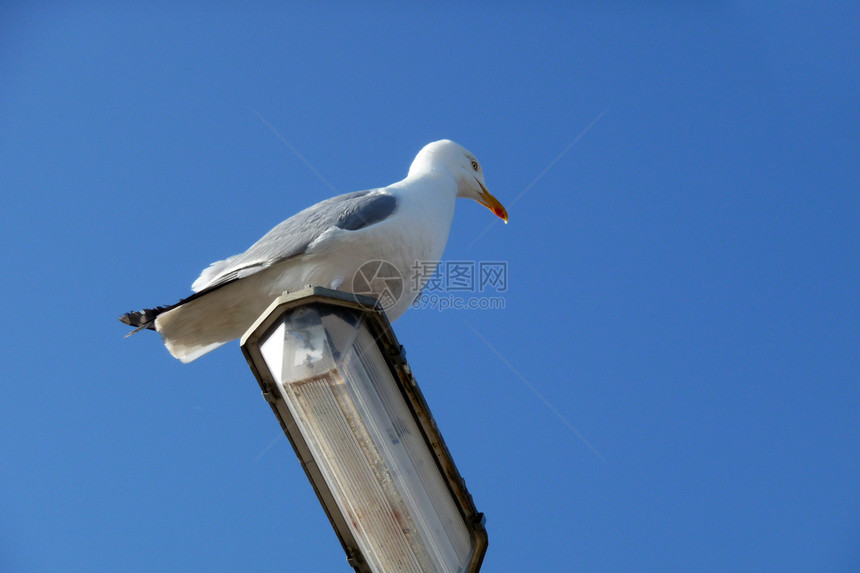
434,183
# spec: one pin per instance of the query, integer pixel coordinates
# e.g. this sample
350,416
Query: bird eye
475,165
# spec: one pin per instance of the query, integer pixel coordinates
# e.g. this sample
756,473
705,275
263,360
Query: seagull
348,243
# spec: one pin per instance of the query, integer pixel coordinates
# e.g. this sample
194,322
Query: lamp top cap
314,294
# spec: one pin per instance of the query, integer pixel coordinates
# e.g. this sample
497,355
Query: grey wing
291,238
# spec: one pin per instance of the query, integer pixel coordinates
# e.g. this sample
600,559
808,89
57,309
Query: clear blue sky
683,281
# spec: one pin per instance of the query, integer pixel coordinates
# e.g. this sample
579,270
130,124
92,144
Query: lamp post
335,376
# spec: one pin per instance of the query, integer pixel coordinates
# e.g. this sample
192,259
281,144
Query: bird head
462,164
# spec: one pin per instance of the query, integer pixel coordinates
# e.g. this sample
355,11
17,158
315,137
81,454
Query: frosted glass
369,448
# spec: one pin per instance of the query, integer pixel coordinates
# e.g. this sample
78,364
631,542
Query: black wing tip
143,318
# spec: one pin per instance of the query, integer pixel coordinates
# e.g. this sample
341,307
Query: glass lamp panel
366,442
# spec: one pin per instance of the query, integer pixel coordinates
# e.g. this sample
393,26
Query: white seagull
404,224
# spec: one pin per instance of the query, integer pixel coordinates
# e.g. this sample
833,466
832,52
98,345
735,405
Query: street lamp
337,380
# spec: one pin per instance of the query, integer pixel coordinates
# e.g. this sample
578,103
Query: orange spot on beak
491,203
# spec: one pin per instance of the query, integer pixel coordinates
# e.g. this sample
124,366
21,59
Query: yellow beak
491,203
